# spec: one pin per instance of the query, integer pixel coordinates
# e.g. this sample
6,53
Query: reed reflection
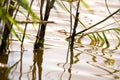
21,63
38,59
3,68
106,64
6,70
69,60
71,63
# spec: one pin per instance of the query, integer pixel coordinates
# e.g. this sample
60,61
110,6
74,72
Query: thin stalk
70,32
110,11
41,32
31,22
108,25
99,31
7,29
41,9
98,22
73,15
26,24
74,28
41,15
106,40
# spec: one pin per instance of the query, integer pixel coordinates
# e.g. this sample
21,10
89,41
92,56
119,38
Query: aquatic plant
6,22
42,27
8,13
11,8
98,37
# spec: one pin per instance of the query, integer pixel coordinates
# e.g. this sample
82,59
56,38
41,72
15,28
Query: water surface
54,62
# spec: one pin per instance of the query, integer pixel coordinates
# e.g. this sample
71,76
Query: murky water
88,62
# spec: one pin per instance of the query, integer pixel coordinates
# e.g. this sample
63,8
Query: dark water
87,62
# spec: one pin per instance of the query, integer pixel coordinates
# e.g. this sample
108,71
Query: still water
54,62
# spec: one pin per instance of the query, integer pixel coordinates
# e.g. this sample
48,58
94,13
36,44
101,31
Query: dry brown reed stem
96,23
74,27
28,14
42,28
31,22
7,28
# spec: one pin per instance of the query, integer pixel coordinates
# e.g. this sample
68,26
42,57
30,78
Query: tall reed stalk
74,27
42,27
7,24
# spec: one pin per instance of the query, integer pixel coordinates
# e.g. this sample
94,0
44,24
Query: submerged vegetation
13,27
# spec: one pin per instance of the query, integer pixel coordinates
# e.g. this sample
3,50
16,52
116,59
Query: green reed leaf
13,31
117,29
25,5
91,37
2,12
94,25
106,40
2,1
85,4
101,39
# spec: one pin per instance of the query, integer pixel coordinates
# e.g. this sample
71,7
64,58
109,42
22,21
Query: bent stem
98,22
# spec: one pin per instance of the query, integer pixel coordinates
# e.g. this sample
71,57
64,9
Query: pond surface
54,62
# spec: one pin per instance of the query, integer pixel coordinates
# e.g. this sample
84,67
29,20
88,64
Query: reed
10,9
42,27
7,23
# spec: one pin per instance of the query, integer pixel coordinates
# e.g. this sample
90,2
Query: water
88,62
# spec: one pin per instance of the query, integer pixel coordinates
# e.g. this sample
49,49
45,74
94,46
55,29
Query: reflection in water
76,64
38,59
98,60
86,62
71,63
118,45
22,70
112,73
34,68
94,59
109,61
108,65
21,61
3,68
69,69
